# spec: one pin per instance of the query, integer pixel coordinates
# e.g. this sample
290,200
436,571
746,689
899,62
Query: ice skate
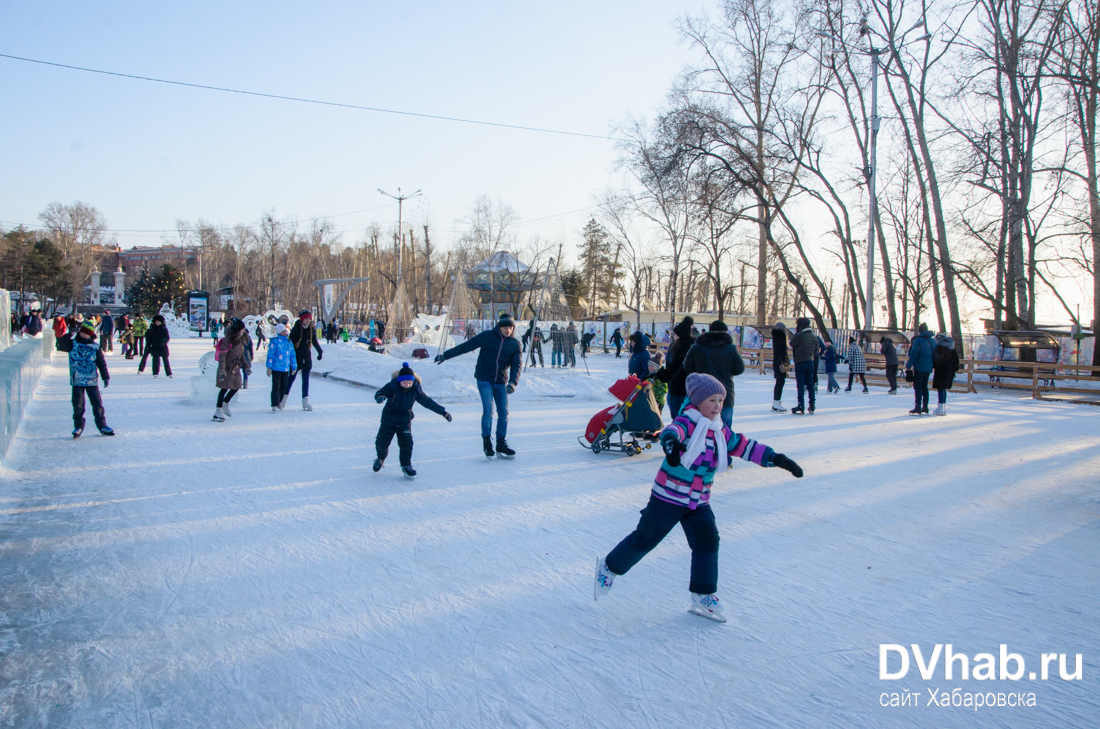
306,405
798,410
155,376
487,446
707,606
282,403
408,471
77,431
604,578
503,451
915,411
219,416
777,406
865,391
924,410
941,409
225,410
106,431
810,411
377,465
892,392
274,408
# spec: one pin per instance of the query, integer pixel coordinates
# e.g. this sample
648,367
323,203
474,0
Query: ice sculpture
177,326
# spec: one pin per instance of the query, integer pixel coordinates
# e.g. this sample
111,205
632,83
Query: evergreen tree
139,296
168,288
597,263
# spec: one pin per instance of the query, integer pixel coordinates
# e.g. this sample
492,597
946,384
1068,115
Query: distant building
134,259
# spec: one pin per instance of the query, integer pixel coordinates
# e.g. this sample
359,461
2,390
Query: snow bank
453,381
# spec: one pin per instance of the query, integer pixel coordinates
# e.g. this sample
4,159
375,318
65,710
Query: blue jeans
804,377
491,393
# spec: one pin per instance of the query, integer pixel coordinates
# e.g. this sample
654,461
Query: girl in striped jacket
697,445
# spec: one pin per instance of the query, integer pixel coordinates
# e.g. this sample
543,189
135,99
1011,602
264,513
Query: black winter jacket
673,372
156,339
779,349
945,363
302,343
804,346
399,402
498,353
714,354
890,352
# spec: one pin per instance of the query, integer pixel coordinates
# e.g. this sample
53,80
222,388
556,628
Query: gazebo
499,283
1029,344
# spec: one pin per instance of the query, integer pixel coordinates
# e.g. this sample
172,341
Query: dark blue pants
304,372
97,406
404,442
804,377
658,518
920,389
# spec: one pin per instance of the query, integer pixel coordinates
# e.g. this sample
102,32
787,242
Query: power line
309,101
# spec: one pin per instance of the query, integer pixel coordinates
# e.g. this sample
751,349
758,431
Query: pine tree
597,265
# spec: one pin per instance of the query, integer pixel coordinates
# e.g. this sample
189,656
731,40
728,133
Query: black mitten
781,461
672,449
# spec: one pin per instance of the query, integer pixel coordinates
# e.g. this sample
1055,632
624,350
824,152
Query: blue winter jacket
830,360
280,355
920,353
498,354
86,361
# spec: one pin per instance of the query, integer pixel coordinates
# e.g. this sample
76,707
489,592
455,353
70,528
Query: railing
1045,380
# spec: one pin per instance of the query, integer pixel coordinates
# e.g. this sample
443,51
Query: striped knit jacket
689,483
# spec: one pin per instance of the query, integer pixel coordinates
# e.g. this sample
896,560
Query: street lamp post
400,202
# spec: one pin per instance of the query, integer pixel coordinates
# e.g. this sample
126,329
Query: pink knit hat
700,387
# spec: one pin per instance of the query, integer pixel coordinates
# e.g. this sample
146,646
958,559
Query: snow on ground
256,573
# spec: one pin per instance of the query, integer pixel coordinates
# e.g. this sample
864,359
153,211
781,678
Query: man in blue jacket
499,352
920,362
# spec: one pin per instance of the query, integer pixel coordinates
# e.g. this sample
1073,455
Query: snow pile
453,381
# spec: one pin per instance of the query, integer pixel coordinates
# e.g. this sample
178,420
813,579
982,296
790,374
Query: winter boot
377,465
487,446
798,410
707,606
604,578
106,431
777,406
306,405
408,471
219,416
503,451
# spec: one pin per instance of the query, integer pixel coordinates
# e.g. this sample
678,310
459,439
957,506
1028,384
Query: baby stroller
636,413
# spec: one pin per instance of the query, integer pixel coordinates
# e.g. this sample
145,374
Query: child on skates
697,445
399,394
86,366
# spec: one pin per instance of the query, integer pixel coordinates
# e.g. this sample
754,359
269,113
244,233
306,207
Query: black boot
377,465
487,446
503,451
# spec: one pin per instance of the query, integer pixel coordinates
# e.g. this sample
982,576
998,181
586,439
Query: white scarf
697,444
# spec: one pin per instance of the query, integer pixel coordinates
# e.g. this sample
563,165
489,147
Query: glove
672,449
510,389
781,461
105,382
269,372
439,359
320,355
448,417
379,399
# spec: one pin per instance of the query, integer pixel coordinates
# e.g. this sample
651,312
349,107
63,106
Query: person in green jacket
140,327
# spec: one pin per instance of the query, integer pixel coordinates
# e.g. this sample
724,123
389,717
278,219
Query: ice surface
255,573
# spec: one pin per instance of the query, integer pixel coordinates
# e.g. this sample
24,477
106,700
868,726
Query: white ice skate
219,416
282,403
225,410
777,406
941,409
305,404
707,606
604,578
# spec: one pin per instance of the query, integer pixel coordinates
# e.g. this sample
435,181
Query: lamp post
400,202
870,172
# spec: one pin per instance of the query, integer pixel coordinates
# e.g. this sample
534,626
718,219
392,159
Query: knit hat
700,387
505,320
779,326
718,326
405,374
802,323
304,314
280,328
683,329
88,328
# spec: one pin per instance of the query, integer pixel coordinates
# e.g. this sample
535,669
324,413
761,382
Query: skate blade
716,617
507,458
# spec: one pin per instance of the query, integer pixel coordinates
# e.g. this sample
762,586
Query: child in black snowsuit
86,366
400,393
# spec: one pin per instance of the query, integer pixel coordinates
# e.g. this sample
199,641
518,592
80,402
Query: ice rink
256,573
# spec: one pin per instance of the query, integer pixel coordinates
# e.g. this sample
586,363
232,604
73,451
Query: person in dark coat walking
920,362
106,332
617,340
804,349
638,365
399,394
86,366
890,352
780,364
673,372
945,363
498,361
303,336
715,354
156,344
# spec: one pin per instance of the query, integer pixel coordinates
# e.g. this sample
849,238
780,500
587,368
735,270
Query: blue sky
148,154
